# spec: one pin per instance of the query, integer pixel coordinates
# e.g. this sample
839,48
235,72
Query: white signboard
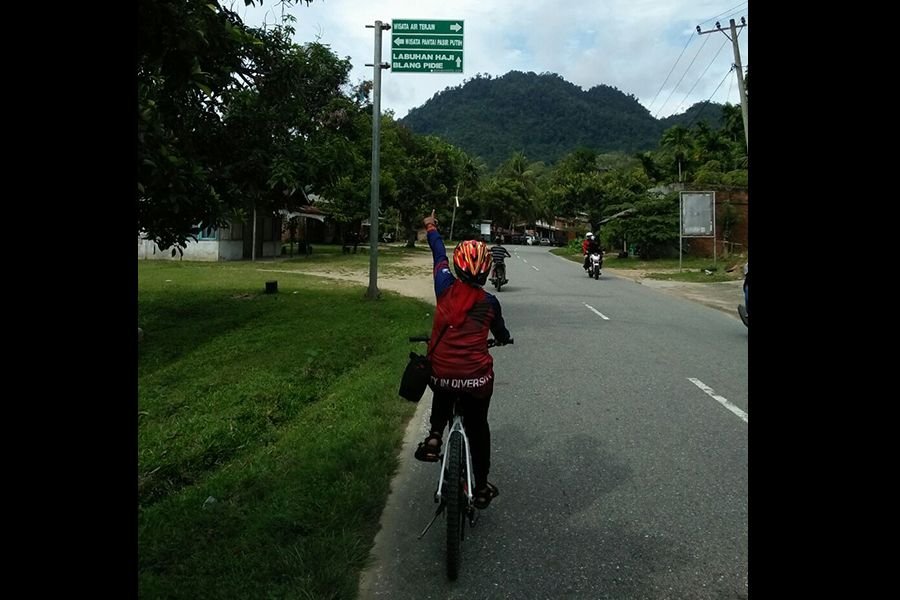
698,214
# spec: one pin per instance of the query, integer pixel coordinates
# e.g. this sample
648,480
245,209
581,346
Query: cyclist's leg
429,448
479,433
440,409
475,411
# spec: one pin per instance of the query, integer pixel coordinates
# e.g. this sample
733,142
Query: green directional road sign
427,46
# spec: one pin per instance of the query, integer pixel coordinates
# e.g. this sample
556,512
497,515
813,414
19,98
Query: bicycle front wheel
456,503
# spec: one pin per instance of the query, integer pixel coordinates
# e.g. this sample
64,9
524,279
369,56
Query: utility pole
373,293
737,66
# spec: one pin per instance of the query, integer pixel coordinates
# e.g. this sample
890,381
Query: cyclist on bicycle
462,367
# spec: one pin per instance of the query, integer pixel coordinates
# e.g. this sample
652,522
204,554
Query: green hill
543,116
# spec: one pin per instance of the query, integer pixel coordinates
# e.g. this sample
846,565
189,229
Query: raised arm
442,276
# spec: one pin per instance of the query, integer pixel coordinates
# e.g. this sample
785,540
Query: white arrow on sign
456,27
458,62
398,40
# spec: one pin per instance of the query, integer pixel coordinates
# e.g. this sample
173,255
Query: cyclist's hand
430,219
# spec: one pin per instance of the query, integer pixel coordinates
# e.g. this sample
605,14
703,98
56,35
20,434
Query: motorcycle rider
589,246
498,254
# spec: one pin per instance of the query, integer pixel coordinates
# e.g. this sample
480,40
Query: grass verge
268,429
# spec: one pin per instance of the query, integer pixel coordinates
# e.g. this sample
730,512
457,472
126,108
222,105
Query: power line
728,12
706,102
682,76
677,60
701,75
690,37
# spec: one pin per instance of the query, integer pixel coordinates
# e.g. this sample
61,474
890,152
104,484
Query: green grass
693,269
391,260
283,408
695,276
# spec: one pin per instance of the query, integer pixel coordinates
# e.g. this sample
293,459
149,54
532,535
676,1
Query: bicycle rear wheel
456,503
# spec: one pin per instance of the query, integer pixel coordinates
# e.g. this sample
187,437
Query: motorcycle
595,262
499,276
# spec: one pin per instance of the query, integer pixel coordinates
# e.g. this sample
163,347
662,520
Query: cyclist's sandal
428,451
484,495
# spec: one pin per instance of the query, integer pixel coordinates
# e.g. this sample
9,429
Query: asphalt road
619,425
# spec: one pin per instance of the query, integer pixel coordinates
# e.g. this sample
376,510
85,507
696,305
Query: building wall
270,249
231,250
210,251
229,245
204,250
739,199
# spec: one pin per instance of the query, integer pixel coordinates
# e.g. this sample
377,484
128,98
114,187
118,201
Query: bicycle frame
457,426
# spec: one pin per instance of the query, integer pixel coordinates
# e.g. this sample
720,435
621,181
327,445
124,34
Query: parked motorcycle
595,262
499,276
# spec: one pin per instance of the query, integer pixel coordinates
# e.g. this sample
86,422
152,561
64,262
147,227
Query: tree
733,127
677,140
512,193
421,173
652,227
203,78
575,186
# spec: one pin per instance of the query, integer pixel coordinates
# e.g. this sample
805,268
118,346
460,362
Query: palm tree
678,140
733,125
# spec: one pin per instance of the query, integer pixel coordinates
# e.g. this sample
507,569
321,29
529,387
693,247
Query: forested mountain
708,112
544,116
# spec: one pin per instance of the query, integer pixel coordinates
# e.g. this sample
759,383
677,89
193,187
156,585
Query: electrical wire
706,102
719,51
705,40
690,37
727,13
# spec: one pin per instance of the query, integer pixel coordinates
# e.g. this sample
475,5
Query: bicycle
456,475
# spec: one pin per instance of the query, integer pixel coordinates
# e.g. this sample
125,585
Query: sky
646,48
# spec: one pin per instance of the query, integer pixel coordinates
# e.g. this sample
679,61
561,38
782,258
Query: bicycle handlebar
491,343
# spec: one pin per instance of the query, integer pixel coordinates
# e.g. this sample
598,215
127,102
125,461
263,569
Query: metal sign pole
372,292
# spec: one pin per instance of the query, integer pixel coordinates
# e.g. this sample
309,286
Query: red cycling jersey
459,357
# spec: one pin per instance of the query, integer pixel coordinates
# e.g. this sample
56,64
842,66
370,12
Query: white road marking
723,401
602,316
535,268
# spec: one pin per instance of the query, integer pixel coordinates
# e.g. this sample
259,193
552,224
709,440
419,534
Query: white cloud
628,44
